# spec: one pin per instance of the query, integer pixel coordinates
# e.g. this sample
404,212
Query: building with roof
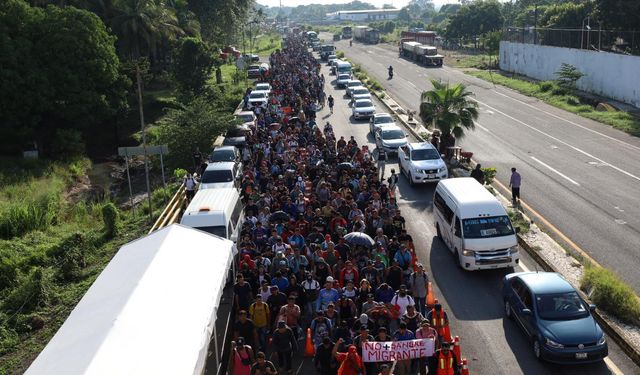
364,15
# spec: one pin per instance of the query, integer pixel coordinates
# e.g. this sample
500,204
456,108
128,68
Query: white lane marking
411,83
618,209
553,147
556,171
612,366
561,141
570,122
620,221
482,127
524,268
490,111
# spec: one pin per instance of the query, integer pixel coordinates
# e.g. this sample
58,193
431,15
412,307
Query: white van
217,211
343,67
474,225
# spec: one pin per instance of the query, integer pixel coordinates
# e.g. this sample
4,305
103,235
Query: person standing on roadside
514,184
190,186
330,101
478,174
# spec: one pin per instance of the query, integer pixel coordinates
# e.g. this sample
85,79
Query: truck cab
421,163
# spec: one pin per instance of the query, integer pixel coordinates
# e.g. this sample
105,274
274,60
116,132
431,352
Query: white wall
608,74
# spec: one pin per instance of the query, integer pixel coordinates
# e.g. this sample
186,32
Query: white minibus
474,225
217,211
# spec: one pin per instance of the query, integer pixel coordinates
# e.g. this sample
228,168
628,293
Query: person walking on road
285,344
514,184
478,174
350,362
330,101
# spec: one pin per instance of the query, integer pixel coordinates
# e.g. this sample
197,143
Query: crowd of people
324,244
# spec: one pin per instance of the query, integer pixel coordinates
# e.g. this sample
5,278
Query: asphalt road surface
583,177
492,344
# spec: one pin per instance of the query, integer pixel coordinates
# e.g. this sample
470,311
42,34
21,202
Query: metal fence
624,42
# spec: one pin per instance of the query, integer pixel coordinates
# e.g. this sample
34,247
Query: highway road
583,177
492,344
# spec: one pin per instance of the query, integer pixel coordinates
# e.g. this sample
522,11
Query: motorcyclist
390,71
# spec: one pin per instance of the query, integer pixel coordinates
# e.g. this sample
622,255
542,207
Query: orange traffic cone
430,298
446,333
465,369
456,348
309,350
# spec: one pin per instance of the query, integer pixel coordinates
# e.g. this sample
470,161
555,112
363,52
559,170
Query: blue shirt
407,335
325,297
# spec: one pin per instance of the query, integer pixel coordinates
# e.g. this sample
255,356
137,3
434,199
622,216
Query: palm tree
449,109
141,25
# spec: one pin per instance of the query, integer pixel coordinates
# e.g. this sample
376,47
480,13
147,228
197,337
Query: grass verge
48,265
548,92
611,294
519,221
481,61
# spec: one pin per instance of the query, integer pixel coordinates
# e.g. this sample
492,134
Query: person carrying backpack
419,283
330,101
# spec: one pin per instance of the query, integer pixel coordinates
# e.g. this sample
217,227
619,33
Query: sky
377,3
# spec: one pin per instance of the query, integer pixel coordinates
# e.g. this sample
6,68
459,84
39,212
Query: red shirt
345,366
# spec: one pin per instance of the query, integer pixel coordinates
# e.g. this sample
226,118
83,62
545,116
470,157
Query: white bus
217,211
474,225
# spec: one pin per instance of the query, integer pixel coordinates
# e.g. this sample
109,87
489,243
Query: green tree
195,125
474,19
192,64
568,75
618,14
404,15
564,16
59,70
141,26
449,109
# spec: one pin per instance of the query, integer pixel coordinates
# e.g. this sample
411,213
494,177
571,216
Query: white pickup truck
421,162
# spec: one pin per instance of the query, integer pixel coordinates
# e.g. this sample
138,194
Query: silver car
363,108
380,119
390,138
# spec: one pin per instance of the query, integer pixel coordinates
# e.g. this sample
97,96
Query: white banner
387,351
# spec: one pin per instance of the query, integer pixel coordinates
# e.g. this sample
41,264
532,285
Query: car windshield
218,230
425,154
561,306
211,177
393,134
262,87
257,95
360,91
235,132
246,118
223,155
343,76
355,84
363,104
383,120
487,227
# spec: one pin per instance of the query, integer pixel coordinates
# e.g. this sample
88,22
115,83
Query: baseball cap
281,324
330,279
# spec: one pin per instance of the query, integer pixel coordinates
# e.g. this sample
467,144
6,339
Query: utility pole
535,23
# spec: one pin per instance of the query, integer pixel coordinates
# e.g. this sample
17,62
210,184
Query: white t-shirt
403,302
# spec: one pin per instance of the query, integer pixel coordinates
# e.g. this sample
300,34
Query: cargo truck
347,32
366,34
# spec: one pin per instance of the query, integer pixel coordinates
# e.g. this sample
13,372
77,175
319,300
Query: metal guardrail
172,211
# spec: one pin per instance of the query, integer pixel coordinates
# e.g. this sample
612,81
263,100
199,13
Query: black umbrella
345,166
358,238
279,216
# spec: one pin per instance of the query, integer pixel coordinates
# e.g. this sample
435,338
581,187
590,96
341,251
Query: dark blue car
554,317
